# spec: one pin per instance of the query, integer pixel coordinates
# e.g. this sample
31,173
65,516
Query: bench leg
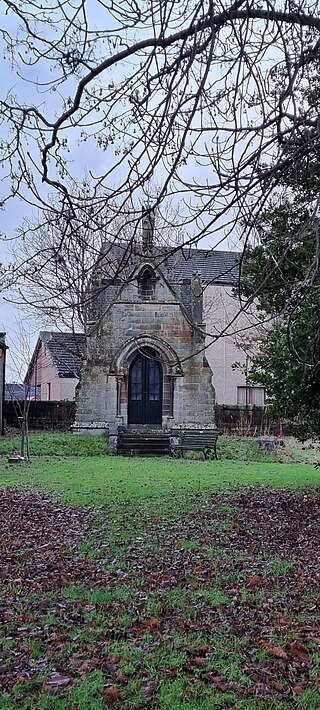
210,453
213,452
174,453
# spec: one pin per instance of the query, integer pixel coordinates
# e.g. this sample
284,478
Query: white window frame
248,396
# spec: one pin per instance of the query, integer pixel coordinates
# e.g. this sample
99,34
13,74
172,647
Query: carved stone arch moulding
146,270
168,357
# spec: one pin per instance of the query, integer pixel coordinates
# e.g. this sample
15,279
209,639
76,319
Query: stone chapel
145,365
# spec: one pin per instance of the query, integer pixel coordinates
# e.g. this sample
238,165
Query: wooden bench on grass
204,440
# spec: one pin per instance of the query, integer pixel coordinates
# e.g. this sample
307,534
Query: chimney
147,231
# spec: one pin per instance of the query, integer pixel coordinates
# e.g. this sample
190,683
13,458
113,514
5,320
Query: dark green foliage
277,268
282,274
292,386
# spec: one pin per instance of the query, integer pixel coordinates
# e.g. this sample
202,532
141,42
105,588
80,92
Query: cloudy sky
22,332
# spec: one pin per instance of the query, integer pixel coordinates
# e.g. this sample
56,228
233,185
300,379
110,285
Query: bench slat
196,440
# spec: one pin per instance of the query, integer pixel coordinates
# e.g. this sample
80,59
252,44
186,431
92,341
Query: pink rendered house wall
45,377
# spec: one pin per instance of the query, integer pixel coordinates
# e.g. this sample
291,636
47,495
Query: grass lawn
158,583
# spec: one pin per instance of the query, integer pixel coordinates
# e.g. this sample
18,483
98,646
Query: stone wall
52,416
59,416
128,324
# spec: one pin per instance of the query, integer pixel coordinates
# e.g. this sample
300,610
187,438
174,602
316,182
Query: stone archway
169,358
153,412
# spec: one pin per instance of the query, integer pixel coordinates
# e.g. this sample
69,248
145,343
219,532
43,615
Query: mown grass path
146,583
148,482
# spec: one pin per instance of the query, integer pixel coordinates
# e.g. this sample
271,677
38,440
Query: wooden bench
204,440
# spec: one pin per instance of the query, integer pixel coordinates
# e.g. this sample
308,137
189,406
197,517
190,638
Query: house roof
176,264
14,391
65,349
117,263
214,266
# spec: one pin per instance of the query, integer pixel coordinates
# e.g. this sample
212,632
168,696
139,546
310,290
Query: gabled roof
117,260
65,349
14,391
214,266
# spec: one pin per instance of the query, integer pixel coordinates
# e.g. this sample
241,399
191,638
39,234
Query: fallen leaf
148,688
121,678
114,659
285,621
299,650
138,630
152,623
21,679
56,681
198,661
274,650
254,581
298,689
276,685
216,679
111,693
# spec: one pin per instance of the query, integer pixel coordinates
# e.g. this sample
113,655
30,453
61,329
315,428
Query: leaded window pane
153,381
136,380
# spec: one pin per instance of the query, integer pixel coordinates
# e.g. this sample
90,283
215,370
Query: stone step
142,444
143,452
124,437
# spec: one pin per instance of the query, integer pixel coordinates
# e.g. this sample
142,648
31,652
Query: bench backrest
207,437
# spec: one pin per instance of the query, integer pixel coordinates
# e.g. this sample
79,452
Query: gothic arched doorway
145,389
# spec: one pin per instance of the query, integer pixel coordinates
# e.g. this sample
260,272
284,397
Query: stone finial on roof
147,231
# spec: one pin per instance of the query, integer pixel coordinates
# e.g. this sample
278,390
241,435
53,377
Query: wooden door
145,390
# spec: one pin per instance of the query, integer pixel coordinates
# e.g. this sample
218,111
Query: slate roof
66,351
14,391
118,260
214,266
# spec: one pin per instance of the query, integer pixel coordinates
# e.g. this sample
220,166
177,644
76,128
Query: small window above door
146,284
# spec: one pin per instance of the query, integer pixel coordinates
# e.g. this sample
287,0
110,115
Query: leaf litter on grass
215,609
